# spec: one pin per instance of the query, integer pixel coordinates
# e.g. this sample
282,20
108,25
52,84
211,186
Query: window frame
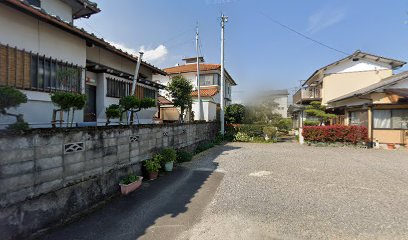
360,111
391,119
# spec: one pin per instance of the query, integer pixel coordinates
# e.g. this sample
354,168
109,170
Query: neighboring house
349,74
381,107
210,79
281,98
38,38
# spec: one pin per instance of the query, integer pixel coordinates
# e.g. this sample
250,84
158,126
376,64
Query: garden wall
49,175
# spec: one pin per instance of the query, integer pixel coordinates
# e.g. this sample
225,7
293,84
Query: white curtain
382,118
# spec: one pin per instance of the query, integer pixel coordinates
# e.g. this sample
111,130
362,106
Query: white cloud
150,55
155,55
325,18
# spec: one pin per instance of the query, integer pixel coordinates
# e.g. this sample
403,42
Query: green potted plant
169,157
130,184
153,165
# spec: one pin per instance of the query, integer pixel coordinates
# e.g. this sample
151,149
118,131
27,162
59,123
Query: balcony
307,95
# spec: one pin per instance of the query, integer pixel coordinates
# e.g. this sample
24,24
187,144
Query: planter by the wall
128,188
168,166
153,175
390,146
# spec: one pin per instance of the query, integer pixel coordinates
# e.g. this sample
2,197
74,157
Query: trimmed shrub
336,133
204,146
311,123
271,132
252,130
184,156
242,137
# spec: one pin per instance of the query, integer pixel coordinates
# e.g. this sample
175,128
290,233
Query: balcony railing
307,94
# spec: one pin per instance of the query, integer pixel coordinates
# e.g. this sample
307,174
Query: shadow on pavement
155,205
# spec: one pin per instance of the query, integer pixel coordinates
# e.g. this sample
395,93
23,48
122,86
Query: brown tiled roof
41,14
206,92
164,101
192,68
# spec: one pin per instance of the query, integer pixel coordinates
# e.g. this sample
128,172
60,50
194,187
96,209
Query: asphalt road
263,191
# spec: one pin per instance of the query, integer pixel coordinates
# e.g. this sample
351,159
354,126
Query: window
36,3
149,93
48,74
117,88
206,79
391,119
25,70
359,118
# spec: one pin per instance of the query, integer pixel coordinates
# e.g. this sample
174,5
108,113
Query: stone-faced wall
48,175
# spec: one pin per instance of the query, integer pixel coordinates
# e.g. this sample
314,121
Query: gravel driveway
263,191
288,191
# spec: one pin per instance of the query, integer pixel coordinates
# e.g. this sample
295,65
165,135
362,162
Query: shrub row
336,133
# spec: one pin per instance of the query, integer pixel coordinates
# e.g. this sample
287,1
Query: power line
303,35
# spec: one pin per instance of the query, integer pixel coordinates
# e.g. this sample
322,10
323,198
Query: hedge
336,133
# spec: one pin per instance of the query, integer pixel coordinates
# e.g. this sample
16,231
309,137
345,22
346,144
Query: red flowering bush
336,133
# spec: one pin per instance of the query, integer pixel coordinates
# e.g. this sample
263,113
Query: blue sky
259,53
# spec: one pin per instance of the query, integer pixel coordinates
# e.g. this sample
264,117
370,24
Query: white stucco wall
283,106
357,66
145,116
58,8
25,32
209,109
37,111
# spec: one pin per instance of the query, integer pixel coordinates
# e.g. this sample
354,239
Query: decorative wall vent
74,147
165,134
134,139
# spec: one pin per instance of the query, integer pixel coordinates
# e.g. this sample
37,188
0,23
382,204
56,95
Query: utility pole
200,114
134,82
224,19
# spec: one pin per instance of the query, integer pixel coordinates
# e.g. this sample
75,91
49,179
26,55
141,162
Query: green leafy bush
129,179
218,139
204,146
284,125
242,137
234,113
184,156
271,132
168,155
252,130
311,123
112,112
18,126
11,97
153,165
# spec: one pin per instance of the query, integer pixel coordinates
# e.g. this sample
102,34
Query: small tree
11,98
65,101
112,112
316,109
235,113
132,104
180,90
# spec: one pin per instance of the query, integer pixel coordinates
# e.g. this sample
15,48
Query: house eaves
42,15
395,64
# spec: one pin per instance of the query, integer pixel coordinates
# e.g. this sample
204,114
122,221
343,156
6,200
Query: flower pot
390,146
153,175
168,166
128,188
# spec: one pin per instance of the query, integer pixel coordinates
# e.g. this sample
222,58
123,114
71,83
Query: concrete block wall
48,175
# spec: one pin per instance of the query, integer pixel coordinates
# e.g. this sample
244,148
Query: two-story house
38,38
342,77
210,86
